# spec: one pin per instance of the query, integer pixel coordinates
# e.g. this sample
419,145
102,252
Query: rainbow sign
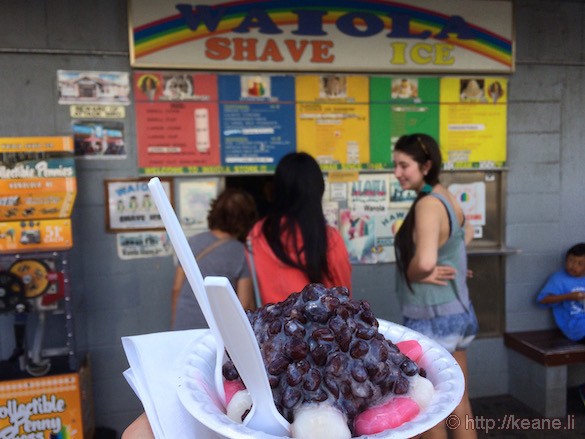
319,35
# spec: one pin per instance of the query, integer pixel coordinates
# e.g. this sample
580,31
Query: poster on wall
176,122
398,196
99,139
256,119
194,199
129,205
323,36
357,229
471,197
370,192
473,122
91,87
401,105
332,120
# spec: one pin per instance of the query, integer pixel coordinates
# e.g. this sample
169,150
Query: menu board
401,105
176,120
205,123
473,122
333,119
256,114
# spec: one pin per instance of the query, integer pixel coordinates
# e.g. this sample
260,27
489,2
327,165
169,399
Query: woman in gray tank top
432,261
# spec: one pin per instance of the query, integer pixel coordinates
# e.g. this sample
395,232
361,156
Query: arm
139,429
177,285
556,298
245,292
429,214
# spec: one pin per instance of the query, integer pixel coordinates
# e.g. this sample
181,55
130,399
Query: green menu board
400,105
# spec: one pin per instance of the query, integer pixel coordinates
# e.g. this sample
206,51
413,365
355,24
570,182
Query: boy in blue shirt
564,292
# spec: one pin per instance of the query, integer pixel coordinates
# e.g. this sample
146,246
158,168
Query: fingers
446,272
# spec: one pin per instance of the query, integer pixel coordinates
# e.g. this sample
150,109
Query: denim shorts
454,332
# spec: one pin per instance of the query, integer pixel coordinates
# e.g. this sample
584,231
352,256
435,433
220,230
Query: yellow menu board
333,119
473,122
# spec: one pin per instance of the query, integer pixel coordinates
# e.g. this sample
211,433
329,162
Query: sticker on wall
138,245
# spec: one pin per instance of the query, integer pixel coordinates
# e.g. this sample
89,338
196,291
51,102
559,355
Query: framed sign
129,205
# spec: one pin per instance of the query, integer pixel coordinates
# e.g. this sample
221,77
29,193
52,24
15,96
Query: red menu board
176,120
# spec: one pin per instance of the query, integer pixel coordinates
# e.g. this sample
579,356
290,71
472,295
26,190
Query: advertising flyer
398,106
473,122
176,121
257,114
333,120
36,235
36,188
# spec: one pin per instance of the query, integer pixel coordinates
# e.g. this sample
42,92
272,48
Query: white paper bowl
197,393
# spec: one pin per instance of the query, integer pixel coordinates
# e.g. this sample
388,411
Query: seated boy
564,292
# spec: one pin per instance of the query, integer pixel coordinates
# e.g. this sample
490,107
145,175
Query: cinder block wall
114,298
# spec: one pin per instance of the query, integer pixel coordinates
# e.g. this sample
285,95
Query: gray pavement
506,417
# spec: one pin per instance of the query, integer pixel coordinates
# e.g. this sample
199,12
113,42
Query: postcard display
38,187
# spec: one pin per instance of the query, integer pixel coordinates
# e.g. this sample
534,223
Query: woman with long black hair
293,246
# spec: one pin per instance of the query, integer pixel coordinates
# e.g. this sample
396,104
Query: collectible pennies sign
317,35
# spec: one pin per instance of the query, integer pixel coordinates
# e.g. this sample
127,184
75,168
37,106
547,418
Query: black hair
298,191
421,148
576,250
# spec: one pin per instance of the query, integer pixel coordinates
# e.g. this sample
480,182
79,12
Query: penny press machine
38,189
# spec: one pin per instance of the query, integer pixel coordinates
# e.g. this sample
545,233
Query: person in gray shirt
219,251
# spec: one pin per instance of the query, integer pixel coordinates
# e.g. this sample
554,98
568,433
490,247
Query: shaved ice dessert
332,374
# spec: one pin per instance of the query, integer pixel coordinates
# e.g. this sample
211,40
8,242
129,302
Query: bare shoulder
429,205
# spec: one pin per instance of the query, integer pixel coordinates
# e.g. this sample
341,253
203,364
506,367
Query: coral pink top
276,280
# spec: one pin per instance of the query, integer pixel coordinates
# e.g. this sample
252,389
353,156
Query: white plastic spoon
243,349
192,272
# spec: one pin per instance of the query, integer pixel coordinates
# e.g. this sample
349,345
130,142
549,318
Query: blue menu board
257,114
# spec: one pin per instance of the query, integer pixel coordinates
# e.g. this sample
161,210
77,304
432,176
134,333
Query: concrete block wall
115,298
546,148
